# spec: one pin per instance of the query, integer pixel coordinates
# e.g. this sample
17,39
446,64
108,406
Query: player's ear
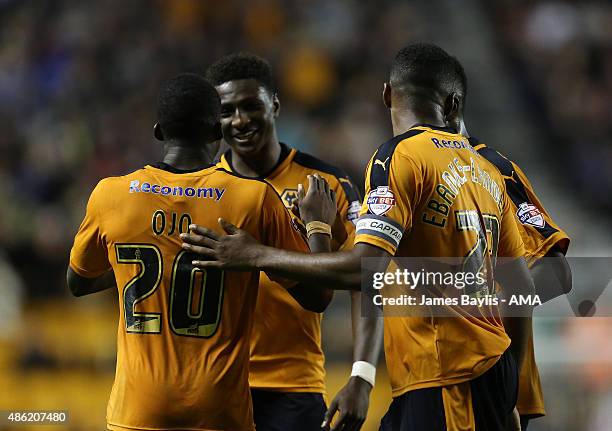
157,132
452,106
275,105
386,94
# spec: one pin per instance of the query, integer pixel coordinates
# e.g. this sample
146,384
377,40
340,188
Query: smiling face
248,112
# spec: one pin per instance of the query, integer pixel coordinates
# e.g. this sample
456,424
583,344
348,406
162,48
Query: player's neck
187,157
403,120
259,164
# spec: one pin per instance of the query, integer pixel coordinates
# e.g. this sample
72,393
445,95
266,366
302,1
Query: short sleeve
393,190
89,254
510,241
536,227
538,230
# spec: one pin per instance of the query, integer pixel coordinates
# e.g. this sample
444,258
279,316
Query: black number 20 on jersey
186,318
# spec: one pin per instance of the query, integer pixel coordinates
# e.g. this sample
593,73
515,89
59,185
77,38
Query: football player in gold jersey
183,335
447,373
542,238
286,372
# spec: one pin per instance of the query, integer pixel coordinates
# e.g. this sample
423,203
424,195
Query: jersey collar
441,129
168,168
284,159
475,143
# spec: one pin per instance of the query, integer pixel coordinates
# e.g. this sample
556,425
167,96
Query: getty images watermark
472,286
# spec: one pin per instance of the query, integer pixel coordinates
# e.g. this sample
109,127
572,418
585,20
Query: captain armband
381,227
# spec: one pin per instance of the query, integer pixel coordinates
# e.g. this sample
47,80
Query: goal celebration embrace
224,266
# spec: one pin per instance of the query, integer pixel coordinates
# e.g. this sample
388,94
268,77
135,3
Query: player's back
453,185
432,195
183,336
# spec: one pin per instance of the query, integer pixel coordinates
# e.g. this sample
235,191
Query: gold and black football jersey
427,194
537,228
286,353
183,335
539,233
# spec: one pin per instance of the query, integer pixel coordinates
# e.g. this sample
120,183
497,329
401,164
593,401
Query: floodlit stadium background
78,81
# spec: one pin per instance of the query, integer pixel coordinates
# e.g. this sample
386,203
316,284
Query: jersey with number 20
183,335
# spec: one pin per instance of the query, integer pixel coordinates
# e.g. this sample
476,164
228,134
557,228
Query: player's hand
319,203
339,233
237,250
352,403
514,423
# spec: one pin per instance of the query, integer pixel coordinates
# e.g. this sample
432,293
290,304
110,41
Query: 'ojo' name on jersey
165,190
446,192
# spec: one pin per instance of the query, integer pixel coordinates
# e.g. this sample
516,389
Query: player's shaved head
424,71
188,107
240,66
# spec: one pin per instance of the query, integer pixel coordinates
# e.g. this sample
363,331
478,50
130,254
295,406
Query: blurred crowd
78,81
562,53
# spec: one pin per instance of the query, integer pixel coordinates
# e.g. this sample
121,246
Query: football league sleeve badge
531,215
380,200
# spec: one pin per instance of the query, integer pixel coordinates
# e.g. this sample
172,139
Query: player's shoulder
389,148
503,164
108,189
253,190
315,164
221,173
111,183
400,145
333,173
114,180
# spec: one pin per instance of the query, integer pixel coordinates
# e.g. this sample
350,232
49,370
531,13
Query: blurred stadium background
78,81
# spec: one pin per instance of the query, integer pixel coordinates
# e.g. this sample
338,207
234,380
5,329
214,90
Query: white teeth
244,136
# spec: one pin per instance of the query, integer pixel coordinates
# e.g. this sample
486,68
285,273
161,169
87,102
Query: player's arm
80,286
552,275
513,275
323,202
89,270
238,250
352,401
378,237
515,280
313,297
